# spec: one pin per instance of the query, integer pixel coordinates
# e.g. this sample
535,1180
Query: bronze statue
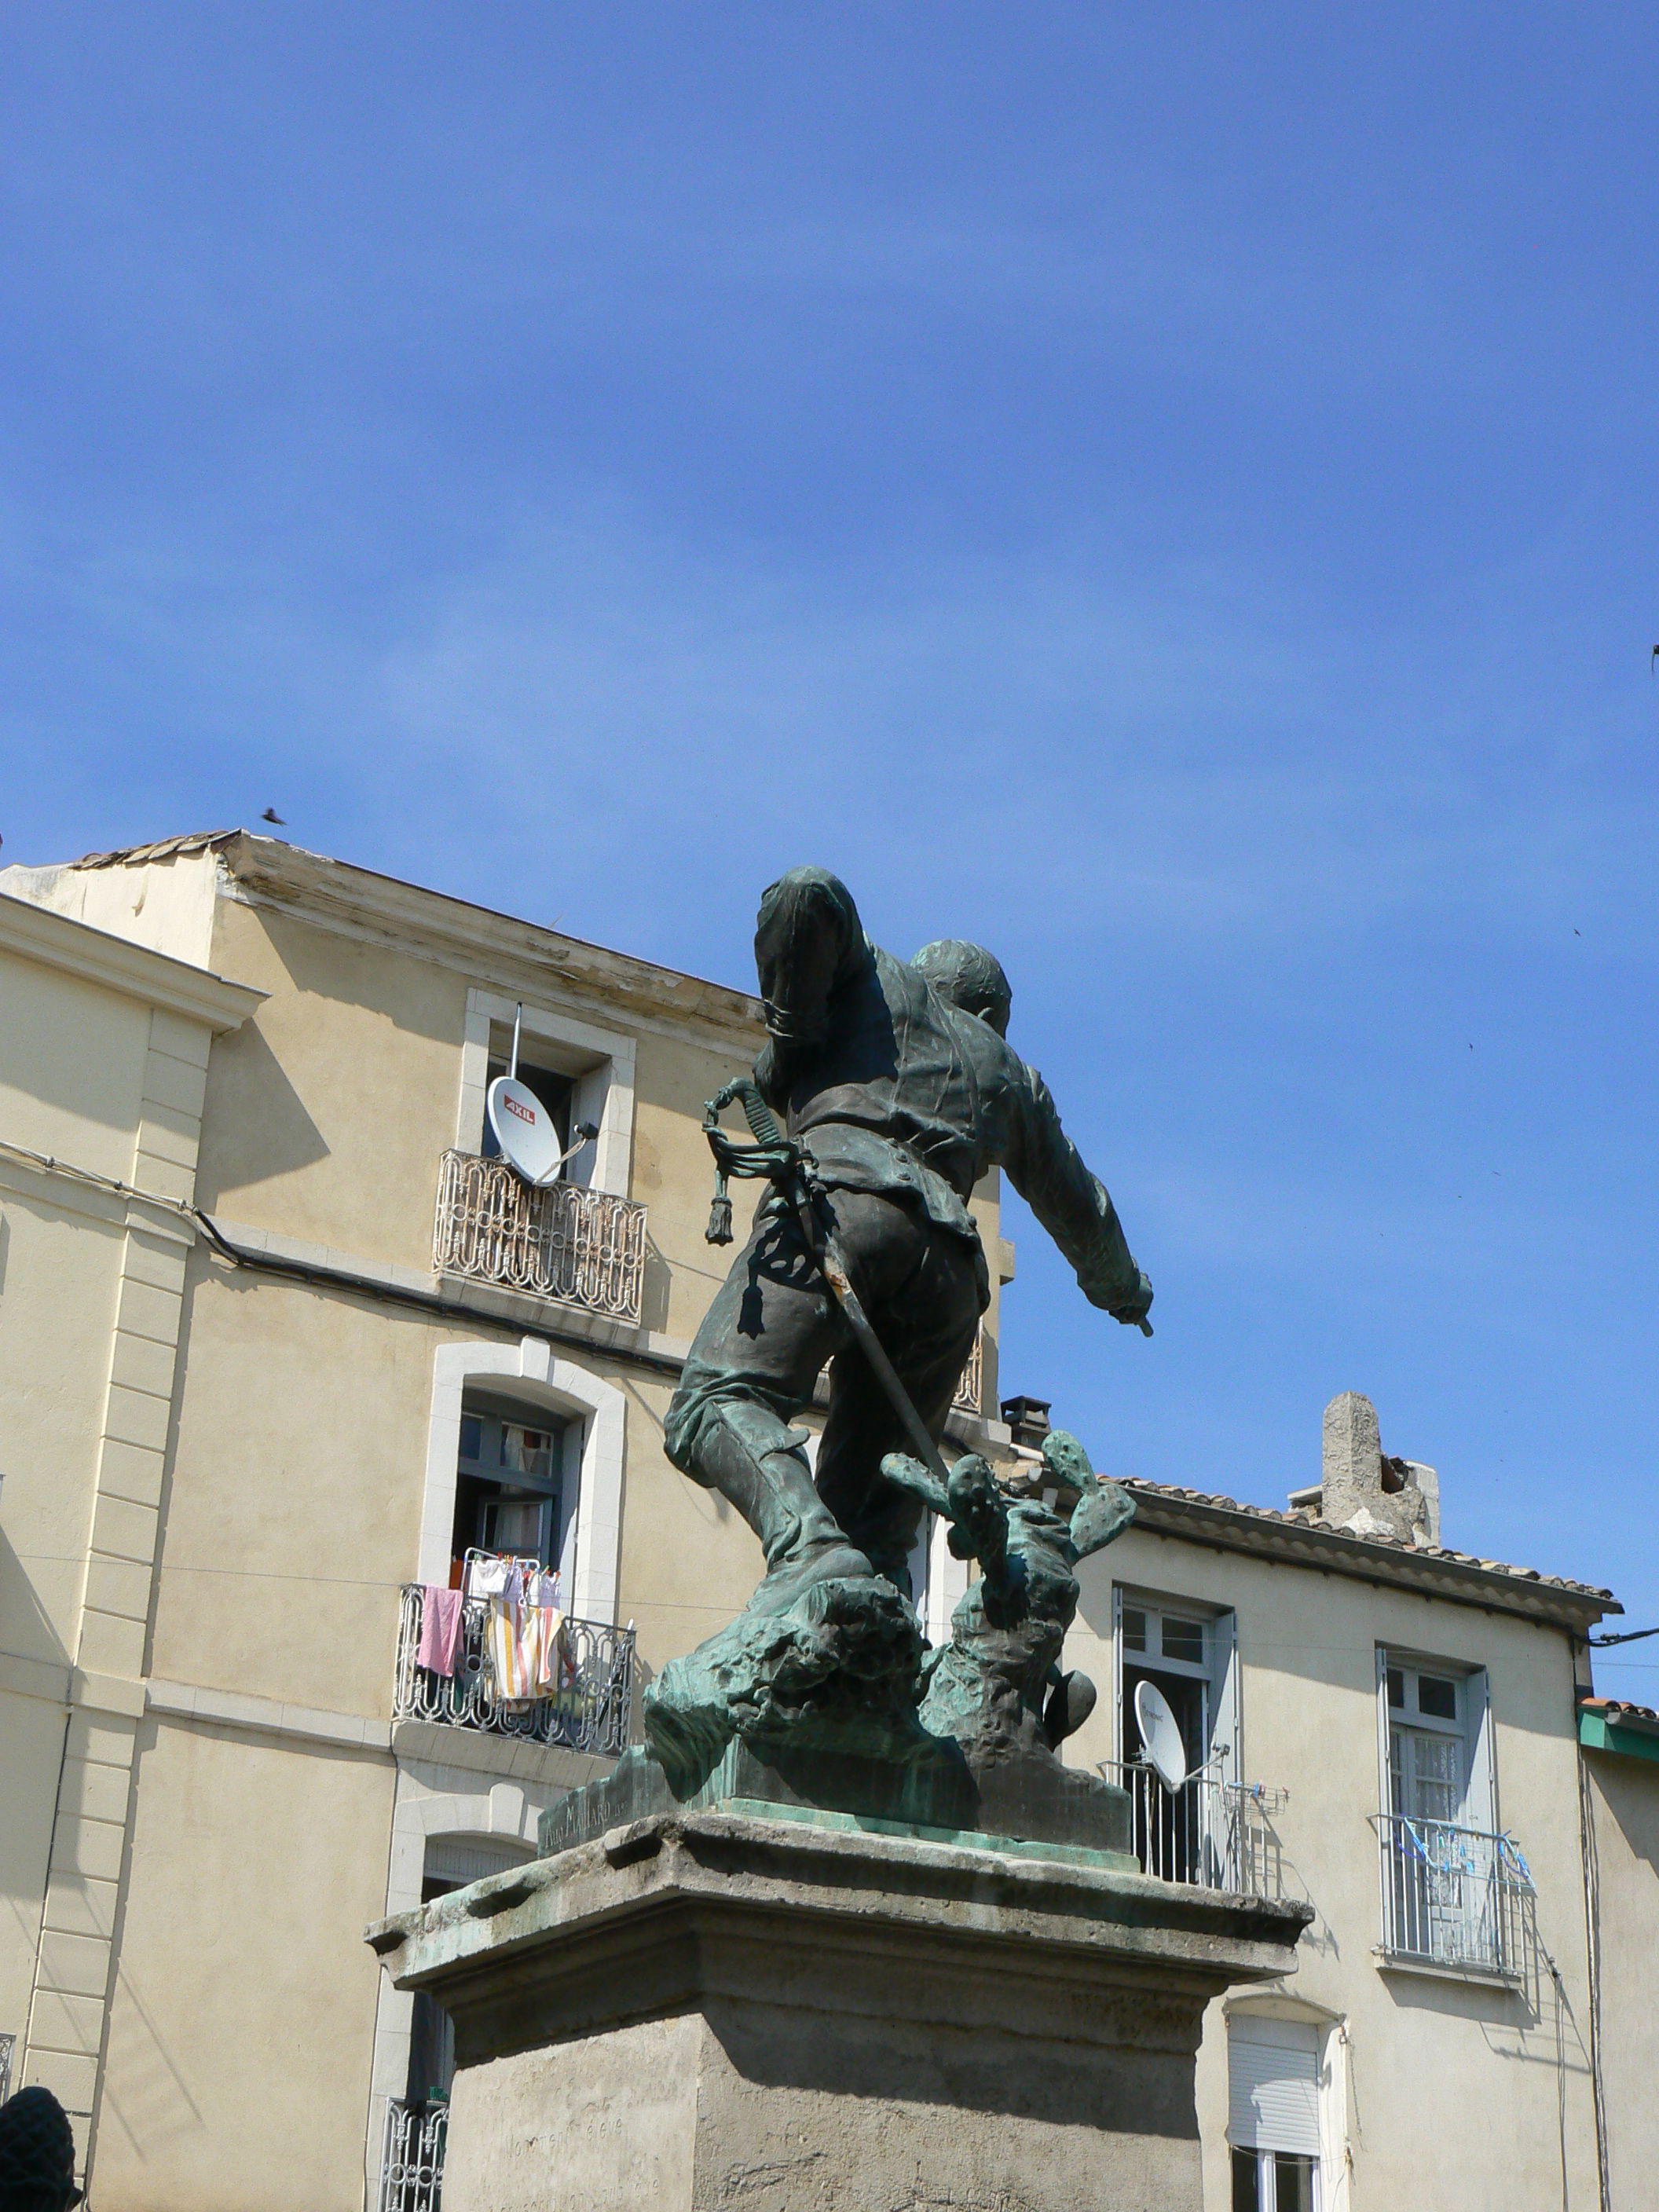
900,1092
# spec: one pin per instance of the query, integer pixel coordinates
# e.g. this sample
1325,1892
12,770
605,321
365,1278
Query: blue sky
1172,493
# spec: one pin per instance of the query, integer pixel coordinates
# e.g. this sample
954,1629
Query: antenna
518,1023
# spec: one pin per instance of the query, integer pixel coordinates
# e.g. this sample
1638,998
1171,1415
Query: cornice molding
75,948
1226,1526
480,942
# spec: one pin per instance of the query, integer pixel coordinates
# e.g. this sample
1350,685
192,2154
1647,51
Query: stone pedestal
711,2012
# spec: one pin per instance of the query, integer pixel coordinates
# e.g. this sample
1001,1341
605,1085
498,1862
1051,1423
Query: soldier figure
898,1083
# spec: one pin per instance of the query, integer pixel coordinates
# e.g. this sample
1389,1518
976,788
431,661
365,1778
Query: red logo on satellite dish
523,1113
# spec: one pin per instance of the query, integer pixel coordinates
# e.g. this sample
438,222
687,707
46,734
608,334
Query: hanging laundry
511,1673
490,1576
542,1587
440,1630
547,1639
538,1640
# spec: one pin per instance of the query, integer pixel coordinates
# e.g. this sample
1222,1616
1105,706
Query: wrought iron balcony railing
593,1710
1455,1897
583,1247
412,2156
970,1391
1215,1834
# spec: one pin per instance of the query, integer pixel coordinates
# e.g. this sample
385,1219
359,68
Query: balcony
1214,1834
412,2156
592,1713
585,1248
1458,1899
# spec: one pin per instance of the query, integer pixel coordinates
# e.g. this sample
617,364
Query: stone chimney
1364,1490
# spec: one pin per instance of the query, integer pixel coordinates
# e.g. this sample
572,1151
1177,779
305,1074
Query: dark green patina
897,1093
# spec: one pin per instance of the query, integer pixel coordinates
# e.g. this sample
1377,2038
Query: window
450,1864
590,1072
509,1482
1429,1712
554,1091
1274,2181
1173,1650
1273,2114
1187,1653
1454,1893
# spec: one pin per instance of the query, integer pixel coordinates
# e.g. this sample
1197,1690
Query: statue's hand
1132,1309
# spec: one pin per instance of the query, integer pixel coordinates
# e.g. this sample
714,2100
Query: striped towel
528,1658
512,1678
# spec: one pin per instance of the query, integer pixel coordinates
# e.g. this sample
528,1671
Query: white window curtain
1272,2085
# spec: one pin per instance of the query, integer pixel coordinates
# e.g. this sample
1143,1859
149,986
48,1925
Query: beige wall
294,1505
102,1053
328,1114
239,2061
1623,1796
1423,2055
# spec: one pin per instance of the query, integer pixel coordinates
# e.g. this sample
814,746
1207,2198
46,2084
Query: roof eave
1329,1551
268,871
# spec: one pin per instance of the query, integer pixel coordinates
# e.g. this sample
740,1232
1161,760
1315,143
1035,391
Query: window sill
1407,1962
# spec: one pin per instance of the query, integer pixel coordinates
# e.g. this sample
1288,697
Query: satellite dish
524,1130
1160,1736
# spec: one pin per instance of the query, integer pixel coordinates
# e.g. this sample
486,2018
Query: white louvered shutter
471,1859
1273,2068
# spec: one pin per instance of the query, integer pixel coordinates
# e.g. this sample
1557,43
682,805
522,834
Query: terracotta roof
1616,1709
1372,1540
196,841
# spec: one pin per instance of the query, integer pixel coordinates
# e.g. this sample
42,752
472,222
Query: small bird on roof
271,815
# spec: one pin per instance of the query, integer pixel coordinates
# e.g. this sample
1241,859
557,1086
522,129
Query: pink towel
441,1629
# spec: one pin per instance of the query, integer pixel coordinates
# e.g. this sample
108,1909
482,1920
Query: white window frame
601,1061
598,1412
1479,1809
1219,1670
429,1803
1326,2033
1265,2192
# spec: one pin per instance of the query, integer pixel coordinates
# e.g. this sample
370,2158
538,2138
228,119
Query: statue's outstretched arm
1075,1206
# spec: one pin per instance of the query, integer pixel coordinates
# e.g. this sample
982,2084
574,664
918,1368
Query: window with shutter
1272,2123
452,1862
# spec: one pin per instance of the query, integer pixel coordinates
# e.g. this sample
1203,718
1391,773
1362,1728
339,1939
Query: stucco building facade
388,1356
104,1046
